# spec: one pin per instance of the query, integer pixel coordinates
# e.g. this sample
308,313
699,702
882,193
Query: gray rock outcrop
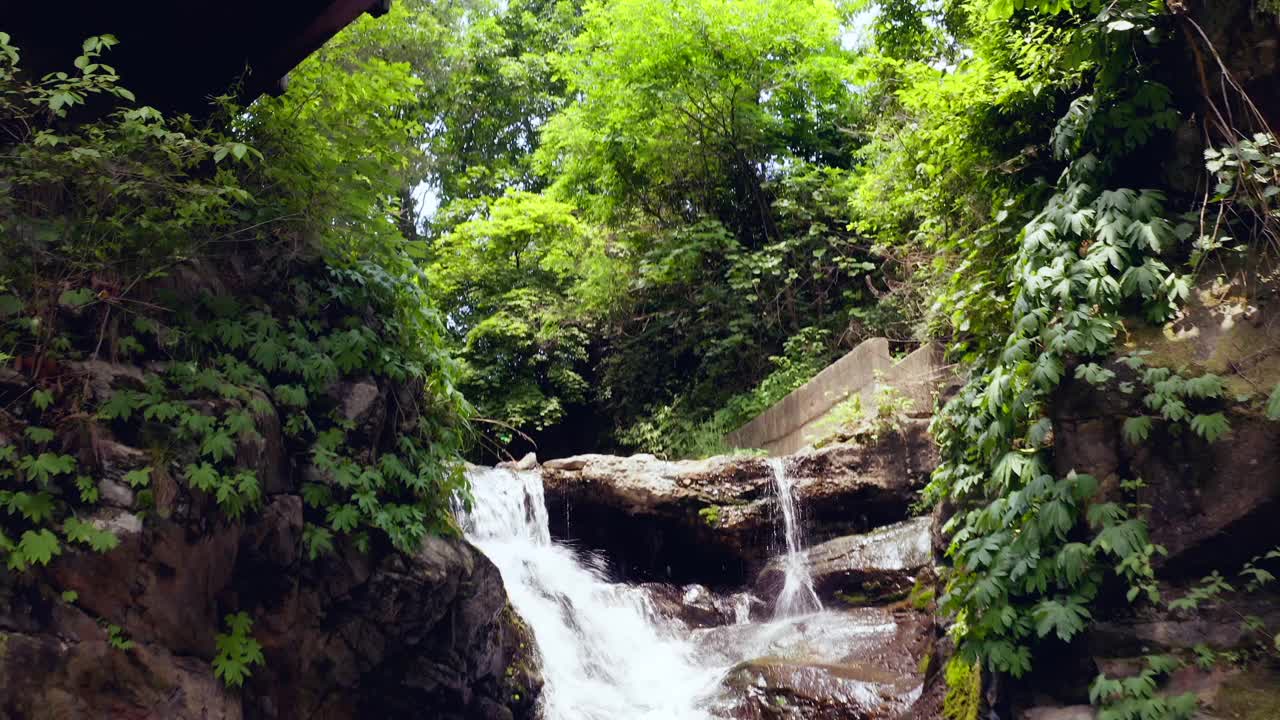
878,566
712,521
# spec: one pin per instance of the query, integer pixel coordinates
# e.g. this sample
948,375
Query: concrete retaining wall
797,420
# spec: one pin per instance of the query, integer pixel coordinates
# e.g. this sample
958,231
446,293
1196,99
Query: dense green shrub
251,263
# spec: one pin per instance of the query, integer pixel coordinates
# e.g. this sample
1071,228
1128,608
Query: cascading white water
798,596
605,654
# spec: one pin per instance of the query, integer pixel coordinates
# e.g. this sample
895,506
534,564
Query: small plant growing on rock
117,639
964,691
238,651
1135,697
710,515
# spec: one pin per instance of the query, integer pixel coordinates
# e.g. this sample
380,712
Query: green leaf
10,305
1137,429
47,466
237,651
87,488
37,547
1210,427
1065,619
203,477
138,478
38,435
120,405
239,422
344,518
219,446
1273,404
318,540
1205,386
87,534
76,298
42,399
35,507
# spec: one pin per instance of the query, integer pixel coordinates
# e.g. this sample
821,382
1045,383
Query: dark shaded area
175,57
642,548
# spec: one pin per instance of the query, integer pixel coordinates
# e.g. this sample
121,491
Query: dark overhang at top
176,55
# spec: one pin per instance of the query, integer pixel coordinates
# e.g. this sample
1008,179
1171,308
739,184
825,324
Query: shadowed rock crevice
713,521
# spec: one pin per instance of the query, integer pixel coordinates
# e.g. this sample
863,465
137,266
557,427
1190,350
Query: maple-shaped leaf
36,547
87,534
218,445
203,476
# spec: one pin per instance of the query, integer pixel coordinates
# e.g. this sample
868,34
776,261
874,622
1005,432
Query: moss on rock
964,691
1250,696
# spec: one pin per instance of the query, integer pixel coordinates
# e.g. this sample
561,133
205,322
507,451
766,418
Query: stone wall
798,419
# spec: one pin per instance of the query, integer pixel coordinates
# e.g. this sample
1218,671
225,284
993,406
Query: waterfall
605,654
798,596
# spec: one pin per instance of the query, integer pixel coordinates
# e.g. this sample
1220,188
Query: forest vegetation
634,225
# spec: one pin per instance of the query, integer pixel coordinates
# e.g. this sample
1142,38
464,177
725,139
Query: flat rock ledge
709,521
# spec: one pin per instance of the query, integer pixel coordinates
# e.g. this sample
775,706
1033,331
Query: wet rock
860,569
363,402
1217,624
262,449
103,378
770,688
524,464
696,606
708,521
12,382
1208,504
426,631
113,494
351,635
857,664
1251,693
160,584
70,670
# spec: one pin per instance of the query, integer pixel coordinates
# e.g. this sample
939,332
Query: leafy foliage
237,651
103,213
691,218
1135,697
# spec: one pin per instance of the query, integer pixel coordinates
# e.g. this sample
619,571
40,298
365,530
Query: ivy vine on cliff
1033,551
178,288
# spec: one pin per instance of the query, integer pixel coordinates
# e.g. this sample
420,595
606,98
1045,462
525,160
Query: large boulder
707,521
431,631
387,635
861,664
132,633
878,566
57,661
696,606
1211,505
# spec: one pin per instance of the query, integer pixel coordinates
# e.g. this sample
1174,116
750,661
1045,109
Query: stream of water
606,653
798,596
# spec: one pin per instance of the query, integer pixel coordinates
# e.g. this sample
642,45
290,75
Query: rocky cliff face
713,521
131,633
1212,506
